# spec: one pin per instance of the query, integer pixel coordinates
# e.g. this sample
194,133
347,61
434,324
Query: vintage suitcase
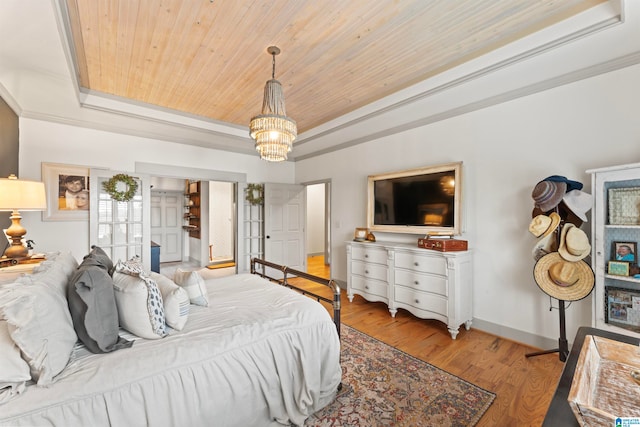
442,245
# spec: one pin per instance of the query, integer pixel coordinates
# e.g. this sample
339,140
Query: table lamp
20,195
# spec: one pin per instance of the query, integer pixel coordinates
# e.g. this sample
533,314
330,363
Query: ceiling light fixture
272,130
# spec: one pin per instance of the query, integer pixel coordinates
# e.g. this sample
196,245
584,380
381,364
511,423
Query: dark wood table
559,413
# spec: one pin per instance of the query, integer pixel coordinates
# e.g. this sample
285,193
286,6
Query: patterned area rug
383,386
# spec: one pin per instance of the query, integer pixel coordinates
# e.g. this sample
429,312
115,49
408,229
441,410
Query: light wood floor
523,386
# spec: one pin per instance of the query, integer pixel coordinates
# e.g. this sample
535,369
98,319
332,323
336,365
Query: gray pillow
93,308
100,256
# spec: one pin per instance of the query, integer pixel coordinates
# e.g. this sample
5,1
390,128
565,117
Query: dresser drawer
372,271
422,282
421,300
372,254
421,263
363,285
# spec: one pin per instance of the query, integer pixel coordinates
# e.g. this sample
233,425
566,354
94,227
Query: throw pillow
175,299
100,256
193,283
92,305
140,306
14,371
40,324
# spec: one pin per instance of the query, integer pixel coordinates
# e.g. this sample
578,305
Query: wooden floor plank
523,386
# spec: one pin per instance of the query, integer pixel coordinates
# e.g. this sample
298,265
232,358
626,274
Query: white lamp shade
22,195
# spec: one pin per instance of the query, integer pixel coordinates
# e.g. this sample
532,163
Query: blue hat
571,185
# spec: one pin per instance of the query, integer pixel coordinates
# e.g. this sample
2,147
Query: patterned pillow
176,301
192,282
139,301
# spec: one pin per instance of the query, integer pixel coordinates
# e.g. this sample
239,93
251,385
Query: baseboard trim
516,335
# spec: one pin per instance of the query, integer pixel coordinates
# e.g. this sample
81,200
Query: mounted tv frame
426,201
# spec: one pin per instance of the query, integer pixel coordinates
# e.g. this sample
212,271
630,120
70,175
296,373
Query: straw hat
563,280
578,202
574,243
547,194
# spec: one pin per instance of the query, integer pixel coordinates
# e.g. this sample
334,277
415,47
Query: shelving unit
604,235
192,209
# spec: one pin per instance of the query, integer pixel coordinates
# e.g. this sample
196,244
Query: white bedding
259,355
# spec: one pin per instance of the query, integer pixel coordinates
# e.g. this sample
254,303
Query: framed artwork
360,234
624,251
622,307
67,188
618,268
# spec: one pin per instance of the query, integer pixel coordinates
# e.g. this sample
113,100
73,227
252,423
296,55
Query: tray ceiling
208,57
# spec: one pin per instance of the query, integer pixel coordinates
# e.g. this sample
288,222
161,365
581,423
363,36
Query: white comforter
259,355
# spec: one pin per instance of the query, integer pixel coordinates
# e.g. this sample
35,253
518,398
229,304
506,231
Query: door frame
327,218
205,175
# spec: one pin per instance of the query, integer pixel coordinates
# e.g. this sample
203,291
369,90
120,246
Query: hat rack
549,197
563,344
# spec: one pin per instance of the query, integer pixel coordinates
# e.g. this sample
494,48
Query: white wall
42,141
506,150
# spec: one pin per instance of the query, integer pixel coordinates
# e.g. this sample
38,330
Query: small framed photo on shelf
618,268
622,307
624,251
360,234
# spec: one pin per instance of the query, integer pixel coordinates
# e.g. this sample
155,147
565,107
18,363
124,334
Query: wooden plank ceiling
208,57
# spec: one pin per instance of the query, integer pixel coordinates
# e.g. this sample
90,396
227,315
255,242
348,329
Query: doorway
318,228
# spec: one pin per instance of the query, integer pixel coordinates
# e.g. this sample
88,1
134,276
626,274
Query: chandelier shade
273,131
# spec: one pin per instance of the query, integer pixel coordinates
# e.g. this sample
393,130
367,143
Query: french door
122,229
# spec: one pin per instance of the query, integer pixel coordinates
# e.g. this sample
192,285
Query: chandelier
272,130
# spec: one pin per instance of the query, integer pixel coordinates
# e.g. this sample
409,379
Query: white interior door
284,219
122,229
166,223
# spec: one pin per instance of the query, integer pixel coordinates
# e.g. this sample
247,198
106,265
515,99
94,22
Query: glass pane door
121,228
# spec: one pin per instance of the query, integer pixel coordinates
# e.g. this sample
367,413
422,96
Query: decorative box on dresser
615,218
427,283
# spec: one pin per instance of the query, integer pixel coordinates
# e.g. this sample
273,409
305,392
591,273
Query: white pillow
192,282
140,306
14,371
175,299
40,324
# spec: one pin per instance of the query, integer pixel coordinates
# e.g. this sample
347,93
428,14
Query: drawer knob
366,286
417,301
366,256
416,283
366,272
416,264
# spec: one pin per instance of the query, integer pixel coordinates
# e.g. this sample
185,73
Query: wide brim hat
547,194
580,272
578,202
574,243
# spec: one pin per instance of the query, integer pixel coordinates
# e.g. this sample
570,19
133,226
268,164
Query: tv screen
422,201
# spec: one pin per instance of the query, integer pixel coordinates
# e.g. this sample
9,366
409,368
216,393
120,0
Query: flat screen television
419,201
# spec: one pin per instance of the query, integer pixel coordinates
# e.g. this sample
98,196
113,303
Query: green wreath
111,187
255,194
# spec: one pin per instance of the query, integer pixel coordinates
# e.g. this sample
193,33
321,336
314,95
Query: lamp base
16,232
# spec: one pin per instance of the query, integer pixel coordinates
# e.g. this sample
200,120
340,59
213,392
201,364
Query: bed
260,354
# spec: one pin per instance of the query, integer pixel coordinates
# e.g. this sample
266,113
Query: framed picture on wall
67,189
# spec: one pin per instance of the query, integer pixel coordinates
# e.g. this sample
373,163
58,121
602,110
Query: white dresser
427,283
